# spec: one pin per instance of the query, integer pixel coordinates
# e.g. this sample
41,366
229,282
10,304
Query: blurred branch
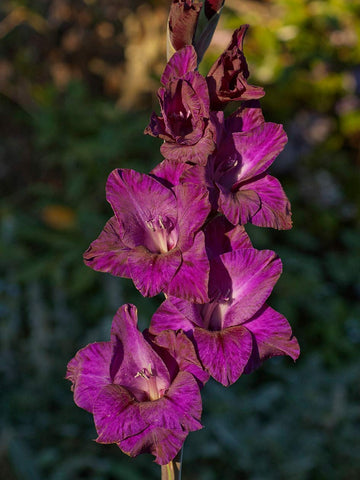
22,15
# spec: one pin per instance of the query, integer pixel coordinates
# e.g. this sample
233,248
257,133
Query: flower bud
183,18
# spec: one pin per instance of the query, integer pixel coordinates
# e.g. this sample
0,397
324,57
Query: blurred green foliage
58,144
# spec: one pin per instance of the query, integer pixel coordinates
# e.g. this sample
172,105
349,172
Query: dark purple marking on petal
157,128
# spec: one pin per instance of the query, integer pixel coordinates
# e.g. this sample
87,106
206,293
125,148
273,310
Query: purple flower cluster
180,231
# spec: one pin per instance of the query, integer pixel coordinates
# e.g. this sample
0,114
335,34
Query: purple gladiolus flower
185,121
236,331
154,237
143,401
236,175
227,78
246,192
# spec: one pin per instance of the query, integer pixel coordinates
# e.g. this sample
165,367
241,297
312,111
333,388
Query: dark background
78,82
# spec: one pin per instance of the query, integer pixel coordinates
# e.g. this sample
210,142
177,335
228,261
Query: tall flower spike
139,401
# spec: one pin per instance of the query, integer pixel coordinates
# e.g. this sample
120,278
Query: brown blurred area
111,45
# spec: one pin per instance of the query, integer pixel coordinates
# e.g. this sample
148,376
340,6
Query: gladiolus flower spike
180,231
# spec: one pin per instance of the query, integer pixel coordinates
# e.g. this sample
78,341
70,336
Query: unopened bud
183,18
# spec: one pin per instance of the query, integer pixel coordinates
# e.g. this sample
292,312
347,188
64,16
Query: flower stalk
172,471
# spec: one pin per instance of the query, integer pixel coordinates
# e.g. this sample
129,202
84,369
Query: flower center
161,236
227,172
213,313
149,377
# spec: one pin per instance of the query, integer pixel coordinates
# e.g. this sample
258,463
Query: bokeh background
78,82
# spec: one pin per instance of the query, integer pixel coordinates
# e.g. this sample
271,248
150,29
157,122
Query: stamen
146,374
160,239
213,313
150,225
161,223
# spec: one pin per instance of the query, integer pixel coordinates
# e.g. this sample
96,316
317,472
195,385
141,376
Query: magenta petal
170,172
197,154
253,274
132,354
169,317
200,89
89,372
182,349
258,148
136,199
180,407
163,443
108,253
240,206
152,272
117,415
275,209
156,127
272,336
191,280
224,353
159,427
193,207
252,92
182,62
245,118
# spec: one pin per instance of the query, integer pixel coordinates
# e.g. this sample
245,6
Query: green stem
172,471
